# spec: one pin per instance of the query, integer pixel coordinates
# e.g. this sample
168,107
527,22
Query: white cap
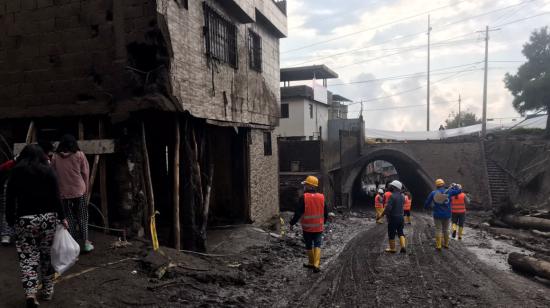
380,191
396,184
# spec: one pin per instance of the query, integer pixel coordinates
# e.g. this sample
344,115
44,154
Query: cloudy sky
378,48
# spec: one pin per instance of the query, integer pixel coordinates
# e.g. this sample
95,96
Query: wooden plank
176,192
103,190
80,129
90,147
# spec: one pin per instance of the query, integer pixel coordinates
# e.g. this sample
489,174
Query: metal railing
281,4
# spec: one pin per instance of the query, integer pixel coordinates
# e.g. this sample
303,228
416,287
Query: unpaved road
365,276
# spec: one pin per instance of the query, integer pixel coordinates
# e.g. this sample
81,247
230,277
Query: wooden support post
176,188
31,133
147,171
103,181
92,177
80,129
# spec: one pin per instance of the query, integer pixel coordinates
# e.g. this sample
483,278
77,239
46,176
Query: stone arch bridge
418,163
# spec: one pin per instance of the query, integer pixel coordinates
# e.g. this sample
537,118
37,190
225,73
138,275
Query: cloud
384,46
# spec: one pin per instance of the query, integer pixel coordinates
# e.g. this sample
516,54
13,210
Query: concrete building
338,108
208,70
305,109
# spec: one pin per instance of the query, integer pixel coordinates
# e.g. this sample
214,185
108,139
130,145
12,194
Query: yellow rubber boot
460,231
438,242
316,260
403,244
446,241
391,248
311,259
454,230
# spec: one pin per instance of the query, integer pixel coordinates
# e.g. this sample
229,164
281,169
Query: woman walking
34,207
72,169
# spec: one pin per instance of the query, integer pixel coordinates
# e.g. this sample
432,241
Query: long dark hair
32,154
68,143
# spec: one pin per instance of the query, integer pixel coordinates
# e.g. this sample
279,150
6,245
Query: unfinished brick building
196,81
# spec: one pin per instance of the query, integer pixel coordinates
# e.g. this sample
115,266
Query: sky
379,50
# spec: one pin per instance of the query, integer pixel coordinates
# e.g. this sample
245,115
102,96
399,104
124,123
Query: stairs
498,183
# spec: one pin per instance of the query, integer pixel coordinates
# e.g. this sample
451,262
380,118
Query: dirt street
364,275
269,273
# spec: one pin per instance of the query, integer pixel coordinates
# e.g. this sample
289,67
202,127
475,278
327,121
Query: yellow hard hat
439,182
311,180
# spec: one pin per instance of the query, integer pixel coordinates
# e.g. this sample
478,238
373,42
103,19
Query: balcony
281,4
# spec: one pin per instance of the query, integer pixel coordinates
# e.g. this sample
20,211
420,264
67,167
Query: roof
340,98
307,73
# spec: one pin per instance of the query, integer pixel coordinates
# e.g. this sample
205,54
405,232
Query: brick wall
264,179
214,90
68,57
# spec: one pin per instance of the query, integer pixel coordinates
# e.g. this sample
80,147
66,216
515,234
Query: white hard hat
380,191
396,184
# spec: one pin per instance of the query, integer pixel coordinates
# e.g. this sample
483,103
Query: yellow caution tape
154,237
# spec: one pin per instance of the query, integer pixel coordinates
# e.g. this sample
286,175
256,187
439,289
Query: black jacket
32,190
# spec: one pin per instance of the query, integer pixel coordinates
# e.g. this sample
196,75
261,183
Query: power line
417,74
522,19
407,18
374,28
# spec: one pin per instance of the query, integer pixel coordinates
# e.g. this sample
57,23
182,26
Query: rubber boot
460,231
438,242
403,244
409,220
316,260
446,241
454,231
311,259
391,248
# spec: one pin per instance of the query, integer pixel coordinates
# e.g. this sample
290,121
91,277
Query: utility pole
459,114
428,81
484,114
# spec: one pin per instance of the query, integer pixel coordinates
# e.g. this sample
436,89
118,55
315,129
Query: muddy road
365,276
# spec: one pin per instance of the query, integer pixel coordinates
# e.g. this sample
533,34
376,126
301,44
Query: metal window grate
255,51
220,37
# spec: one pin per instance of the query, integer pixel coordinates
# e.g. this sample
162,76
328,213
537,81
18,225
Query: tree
466,119
530,86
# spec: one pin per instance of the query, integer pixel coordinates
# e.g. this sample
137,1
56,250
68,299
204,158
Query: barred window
220,37
255,51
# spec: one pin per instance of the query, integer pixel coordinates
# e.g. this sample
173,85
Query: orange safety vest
387,196
379,202
458,204
408,202
314,212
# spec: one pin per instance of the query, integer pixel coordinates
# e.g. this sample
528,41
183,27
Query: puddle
489,250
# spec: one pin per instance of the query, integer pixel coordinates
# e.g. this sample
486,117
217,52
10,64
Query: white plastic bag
65,250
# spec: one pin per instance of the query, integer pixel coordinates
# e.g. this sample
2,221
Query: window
311,111
220,37
284,111
267,144
255,51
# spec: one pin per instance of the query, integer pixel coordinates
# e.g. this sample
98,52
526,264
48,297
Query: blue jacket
441,210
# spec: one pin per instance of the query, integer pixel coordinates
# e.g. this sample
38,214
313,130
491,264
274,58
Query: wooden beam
176,188
31,134
89,147
80,129
147,171
92,178
103,180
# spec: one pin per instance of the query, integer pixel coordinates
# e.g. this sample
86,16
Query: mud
268,272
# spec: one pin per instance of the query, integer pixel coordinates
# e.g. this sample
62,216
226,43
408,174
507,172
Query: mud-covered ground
356,273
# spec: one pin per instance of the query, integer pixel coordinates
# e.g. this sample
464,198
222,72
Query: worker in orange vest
379,205
387,194
458,210
407,207
312,214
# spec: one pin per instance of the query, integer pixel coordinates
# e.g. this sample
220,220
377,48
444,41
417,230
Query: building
197,80
305,109
338,108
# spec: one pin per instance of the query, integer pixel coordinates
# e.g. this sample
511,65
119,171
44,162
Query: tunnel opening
381,167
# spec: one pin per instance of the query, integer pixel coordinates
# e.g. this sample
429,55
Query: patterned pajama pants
34,238
76,212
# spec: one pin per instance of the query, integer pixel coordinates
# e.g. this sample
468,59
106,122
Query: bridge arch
411,173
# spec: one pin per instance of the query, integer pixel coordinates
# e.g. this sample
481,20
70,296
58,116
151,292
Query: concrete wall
300,124
215,90
264,179
294,124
